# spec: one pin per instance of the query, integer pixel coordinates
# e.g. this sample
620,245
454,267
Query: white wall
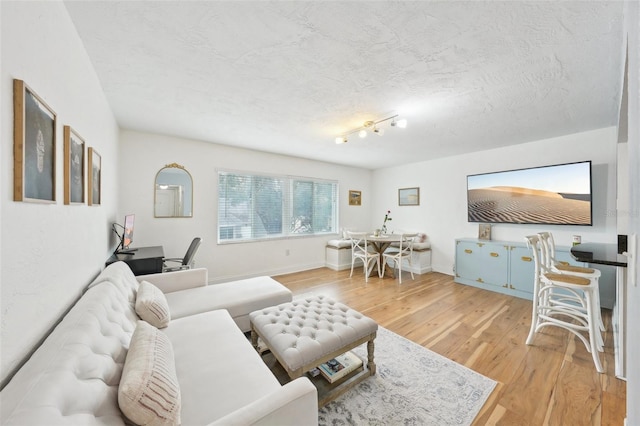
632,26
442,213
143,154
49,252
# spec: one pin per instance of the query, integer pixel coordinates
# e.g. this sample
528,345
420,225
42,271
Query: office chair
185,262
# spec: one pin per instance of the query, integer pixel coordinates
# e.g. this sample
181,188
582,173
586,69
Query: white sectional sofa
74,377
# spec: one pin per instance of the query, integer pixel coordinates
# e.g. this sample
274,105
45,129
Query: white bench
338,254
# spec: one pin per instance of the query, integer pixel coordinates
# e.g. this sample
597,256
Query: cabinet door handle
494,254
526,258
468,251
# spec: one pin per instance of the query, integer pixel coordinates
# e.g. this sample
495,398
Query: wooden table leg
371,365
380,248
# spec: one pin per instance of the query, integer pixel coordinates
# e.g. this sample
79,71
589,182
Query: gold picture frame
94,197
409,196
484,231
34,146
74,171
355,198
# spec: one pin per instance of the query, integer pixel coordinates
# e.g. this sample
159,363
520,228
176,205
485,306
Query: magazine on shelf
340,366
261,348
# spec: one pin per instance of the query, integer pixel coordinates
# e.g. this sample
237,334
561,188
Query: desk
145,260
607,254
381,243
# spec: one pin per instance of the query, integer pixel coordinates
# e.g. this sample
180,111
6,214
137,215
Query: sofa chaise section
192,295
225,375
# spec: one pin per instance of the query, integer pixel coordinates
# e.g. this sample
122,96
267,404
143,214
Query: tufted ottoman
306,333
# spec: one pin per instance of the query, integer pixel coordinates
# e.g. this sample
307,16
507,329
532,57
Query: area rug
412,386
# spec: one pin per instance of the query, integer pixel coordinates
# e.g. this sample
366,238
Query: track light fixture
372,126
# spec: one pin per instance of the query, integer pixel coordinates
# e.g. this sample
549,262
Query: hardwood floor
552,382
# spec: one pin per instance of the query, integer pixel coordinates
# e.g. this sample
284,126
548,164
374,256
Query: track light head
341,139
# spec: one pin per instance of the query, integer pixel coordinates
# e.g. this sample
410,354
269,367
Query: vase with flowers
387,217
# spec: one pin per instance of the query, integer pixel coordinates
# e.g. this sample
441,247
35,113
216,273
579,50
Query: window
256,207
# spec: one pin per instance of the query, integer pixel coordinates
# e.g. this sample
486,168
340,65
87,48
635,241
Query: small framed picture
34,147
95,175
484,231
355,198
409,196
73,167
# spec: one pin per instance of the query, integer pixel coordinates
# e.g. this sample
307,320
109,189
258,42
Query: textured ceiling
288,77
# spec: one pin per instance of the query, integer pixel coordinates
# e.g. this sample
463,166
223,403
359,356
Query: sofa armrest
295,403
169,282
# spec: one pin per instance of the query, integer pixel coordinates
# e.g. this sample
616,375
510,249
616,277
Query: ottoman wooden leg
370,364
254,338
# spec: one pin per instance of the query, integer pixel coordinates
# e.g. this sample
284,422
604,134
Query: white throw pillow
152,306
149,393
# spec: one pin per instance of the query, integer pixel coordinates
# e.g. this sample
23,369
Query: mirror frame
155,185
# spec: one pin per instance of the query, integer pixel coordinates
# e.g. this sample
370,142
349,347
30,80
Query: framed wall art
355,198
409,196
34,147
73,167
484,231
95,177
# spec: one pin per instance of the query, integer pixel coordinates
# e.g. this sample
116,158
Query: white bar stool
565,301
550,262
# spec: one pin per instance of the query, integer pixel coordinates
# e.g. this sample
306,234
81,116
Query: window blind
258,207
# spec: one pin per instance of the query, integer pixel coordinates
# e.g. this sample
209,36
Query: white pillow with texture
149,393
152,306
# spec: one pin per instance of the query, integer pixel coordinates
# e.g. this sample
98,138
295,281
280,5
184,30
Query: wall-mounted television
558,194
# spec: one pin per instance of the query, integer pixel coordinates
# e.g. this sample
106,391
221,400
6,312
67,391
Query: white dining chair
399,254
360,251
550,307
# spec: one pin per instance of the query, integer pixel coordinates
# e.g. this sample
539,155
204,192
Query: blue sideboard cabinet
507,267
482,264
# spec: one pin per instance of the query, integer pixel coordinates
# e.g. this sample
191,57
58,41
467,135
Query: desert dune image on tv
559,194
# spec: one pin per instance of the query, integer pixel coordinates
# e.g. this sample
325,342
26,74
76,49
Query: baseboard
269,273
422,270
337,267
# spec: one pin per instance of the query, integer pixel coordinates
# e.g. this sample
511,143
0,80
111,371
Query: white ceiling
288,77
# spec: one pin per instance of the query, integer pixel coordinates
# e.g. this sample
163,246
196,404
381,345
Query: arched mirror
173,192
